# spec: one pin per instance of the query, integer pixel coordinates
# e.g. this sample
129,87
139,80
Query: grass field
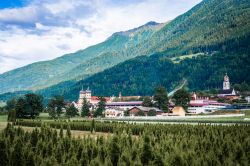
180,58
3,118
75,133
45,117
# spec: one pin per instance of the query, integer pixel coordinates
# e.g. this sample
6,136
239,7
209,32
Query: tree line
31,105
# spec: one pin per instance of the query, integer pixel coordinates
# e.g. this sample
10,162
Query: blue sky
12,3
37,30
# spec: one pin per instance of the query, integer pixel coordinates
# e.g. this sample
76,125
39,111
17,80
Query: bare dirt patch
2,125
75,133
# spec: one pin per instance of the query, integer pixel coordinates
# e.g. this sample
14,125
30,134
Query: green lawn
44,116
3,121
180,58
221,119
3,118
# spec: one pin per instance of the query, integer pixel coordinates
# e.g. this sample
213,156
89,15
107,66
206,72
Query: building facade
226,83
110,104
227,91
134,111
204,105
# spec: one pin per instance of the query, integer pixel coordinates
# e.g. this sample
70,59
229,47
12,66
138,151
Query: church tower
84,94
226,83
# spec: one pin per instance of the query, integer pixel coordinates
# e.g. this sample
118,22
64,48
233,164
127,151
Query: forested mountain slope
205,28
215,33
139,76
77,65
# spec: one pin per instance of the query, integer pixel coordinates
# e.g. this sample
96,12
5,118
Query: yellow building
178,111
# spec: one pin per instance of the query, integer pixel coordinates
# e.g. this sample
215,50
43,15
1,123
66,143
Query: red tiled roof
97,98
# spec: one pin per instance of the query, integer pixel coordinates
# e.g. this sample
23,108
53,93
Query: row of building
116,106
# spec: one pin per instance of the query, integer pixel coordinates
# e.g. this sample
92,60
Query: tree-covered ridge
77,65
207,27
209,23
140,76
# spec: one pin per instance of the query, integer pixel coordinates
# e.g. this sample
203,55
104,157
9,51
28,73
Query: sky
38,30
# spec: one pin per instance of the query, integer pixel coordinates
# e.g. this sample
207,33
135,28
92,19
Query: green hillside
206,27
77,65
201,45
139,76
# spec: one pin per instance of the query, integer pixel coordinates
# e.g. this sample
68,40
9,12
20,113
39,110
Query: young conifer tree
61,132
85,108
68,132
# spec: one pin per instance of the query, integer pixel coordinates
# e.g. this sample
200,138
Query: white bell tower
226,83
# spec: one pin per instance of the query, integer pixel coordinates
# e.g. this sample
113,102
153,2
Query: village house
114,112
204,105
135,110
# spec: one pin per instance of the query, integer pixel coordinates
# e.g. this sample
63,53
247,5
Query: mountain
77,65
140,75
201,45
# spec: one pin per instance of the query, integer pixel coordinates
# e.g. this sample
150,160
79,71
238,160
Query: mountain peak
150,24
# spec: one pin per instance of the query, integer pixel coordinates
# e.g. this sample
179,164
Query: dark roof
227,91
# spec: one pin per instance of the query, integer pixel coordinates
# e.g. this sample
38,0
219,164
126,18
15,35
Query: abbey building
227,91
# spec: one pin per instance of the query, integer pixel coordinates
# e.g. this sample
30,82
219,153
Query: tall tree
71,111
12,115
56,104
140,113
182,98
29,106
85,108
10,105
17,155
52,112
161,98
147,154
152,112
35,104
101,107
114,150
20,106
147,102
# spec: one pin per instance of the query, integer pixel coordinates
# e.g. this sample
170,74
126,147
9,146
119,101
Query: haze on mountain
200,45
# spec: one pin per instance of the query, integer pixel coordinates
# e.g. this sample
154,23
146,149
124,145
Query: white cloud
44,30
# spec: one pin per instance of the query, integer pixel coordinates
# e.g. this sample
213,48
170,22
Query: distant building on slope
204,105
84,94
110,101
134,111
114,112
227,92
92,100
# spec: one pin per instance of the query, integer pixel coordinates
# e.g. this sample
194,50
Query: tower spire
226,83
